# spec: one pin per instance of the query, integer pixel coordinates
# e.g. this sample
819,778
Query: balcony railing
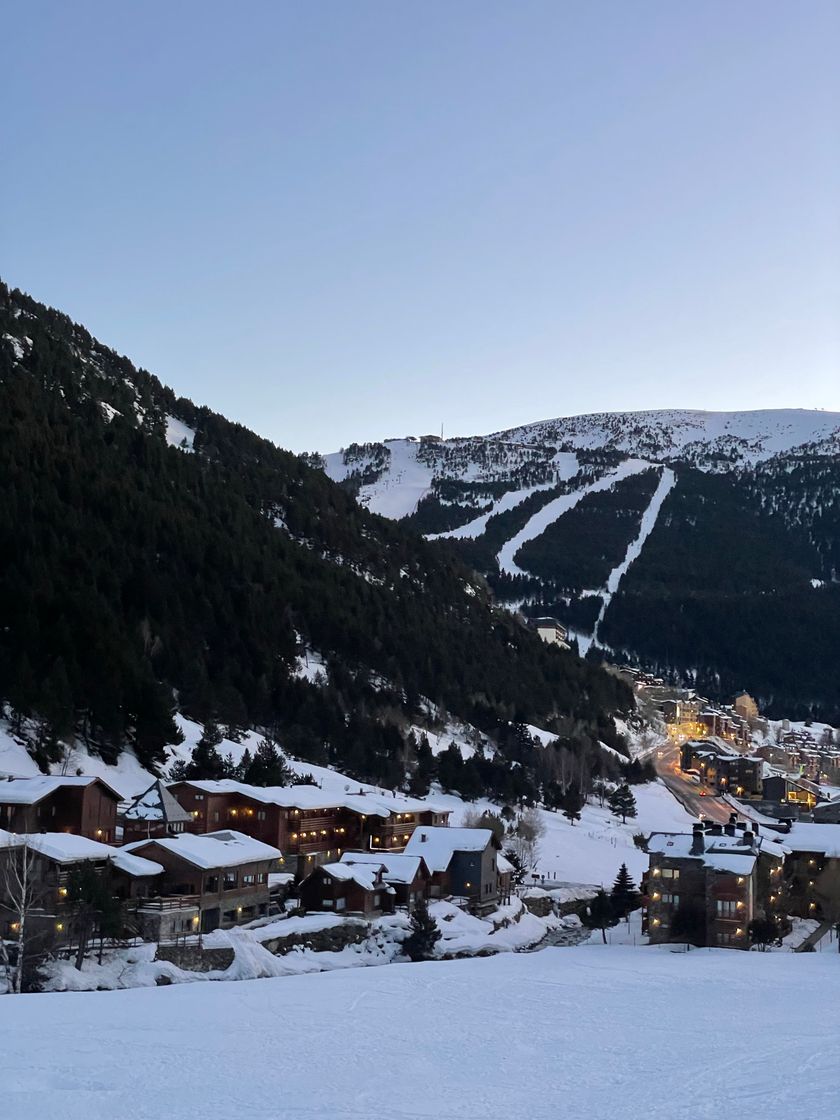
179,902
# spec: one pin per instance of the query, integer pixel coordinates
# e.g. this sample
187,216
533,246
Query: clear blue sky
348,220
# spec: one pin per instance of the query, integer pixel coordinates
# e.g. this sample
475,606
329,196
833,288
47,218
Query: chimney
717,830
729,829
698,843
749,837
422,837
733,818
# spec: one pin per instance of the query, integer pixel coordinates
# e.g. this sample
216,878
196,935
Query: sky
347,220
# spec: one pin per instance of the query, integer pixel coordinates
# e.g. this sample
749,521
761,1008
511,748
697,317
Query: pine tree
625,897
599,914
572,802
267,767
622,802
420,943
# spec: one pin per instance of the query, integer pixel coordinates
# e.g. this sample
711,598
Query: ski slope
553,510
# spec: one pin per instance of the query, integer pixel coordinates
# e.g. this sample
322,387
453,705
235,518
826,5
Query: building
56,856
216,880
155,812
551,631
812,869
463,863
309,825
83,804
348,888
722,768
708,885
408,875
745,706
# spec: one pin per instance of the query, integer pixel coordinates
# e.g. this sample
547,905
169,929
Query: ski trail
550,513
649,518
565,465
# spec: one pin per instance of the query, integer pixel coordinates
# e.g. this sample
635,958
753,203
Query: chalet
745,706
57,855
153,813
348,888
219,879
505,871
84,805
707,886
463,863
310,825
408,875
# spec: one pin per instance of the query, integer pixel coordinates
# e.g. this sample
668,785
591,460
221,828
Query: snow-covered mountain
651,534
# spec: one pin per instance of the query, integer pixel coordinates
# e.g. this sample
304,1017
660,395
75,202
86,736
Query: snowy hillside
596,1028
689,434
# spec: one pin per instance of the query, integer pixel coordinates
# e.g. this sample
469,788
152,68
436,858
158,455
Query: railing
180,902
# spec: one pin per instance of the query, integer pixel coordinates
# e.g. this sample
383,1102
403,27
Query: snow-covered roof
313,797
503,865
438,845
723,853
397,867
212,849
29,791
156,804
135,866
819,838
363,874
67,847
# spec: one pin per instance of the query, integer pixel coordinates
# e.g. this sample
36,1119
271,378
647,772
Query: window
376,899
727,908
261,877
199,797
326,903
670,873
248,880
230,880
668,899
340,903
230,915
211,884
261,814
216,814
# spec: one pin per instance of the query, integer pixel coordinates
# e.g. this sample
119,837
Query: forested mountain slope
157,557
703,546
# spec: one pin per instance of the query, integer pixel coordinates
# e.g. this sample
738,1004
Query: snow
404,482
588,1032
397,867
364,875
212,849
753,435
438,845
178,434
310,666
556,508
108,411
649,517
29,791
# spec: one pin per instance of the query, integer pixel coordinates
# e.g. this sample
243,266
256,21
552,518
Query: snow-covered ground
555,509
634,549
178,434
583,1033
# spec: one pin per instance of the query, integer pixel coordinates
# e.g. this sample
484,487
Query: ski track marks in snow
649,518
554,510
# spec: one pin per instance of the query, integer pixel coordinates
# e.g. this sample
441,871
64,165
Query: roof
503,865
397,867
135,866
819,838
29,791
363,874
156,804
212,849
361,801
67,847
438,845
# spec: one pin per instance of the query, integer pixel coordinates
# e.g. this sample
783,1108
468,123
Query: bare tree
525,837
22,896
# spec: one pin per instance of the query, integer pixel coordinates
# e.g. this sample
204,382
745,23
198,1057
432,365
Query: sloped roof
397,866
437,845
29,791
823,839
156,804
363,874
365,802
212,849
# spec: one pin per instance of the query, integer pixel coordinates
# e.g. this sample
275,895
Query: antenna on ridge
441,429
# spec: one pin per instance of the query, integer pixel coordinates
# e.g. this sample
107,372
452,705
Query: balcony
178,902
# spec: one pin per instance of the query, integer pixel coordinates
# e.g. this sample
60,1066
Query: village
182,862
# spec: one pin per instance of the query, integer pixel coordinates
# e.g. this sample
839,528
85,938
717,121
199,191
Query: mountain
158,558
704,546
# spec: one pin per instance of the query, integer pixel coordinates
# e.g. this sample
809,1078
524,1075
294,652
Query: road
666,761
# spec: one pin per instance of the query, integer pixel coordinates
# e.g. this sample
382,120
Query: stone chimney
729,829
716,830
733,818
749,837
698,842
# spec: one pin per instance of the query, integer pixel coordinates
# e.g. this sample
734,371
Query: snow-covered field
586,1034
